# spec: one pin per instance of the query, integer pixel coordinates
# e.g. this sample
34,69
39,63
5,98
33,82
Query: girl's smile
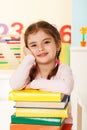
42,54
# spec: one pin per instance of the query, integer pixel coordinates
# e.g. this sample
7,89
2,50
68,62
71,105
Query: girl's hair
48,29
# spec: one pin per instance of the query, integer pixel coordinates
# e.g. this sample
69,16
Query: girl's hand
26,51
28,86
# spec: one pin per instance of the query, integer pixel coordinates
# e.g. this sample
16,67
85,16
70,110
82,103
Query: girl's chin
43,62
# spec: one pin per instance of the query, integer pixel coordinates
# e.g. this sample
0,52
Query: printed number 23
5,30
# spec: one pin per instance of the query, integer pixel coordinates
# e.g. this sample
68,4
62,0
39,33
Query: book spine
38,121
28,112
33,127
44,104
23,95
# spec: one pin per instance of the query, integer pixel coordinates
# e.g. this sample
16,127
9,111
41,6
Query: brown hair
48,29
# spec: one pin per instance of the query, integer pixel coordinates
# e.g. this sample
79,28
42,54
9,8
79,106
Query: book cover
44,104
40,112
67,127
37,120
33,127
34,95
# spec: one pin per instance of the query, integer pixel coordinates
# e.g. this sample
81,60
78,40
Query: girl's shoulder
64,68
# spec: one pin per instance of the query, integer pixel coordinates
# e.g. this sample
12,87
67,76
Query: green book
36,120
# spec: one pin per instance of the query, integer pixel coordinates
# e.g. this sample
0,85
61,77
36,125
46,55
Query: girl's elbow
15,86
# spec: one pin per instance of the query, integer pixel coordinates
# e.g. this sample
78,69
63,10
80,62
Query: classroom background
69,16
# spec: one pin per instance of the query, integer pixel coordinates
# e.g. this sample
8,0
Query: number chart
10,45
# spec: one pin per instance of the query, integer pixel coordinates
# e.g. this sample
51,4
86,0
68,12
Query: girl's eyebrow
31,43
46,39
42,40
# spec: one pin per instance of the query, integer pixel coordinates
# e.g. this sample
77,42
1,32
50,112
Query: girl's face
43,47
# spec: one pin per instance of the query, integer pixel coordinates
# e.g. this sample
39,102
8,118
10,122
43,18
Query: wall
79,19
27,11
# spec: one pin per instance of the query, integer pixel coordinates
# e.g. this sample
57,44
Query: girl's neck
44,69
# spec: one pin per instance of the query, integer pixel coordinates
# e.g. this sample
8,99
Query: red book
67,127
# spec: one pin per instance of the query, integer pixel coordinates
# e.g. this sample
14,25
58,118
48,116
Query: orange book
33,127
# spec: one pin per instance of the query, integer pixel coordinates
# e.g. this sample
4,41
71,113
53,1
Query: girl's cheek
34,52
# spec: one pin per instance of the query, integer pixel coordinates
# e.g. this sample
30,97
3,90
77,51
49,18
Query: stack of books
38,110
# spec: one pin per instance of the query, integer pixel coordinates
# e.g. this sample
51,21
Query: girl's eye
34,45
46,42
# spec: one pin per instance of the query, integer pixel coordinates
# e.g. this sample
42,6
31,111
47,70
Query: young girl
40,69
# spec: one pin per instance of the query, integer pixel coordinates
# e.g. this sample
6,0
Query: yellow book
37,112
34,95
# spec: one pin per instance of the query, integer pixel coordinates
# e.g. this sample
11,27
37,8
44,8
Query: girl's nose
40,48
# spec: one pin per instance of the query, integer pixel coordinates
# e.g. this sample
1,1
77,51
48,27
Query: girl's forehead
39,34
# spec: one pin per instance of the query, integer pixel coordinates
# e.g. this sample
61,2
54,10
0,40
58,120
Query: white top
62,82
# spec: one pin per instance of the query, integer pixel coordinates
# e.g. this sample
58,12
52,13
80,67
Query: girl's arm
18,78
63,81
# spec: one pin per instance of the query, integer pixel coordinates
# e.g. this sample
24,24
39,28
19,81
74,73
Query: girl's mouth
42,55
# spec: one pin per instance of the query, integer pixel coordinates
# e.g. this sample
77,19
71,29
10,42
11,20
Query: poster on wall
10,45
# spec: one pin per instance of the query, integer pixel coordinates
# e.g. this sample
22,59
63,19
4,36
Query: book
33,127
37,120
34,95
41,112
66,127
44,104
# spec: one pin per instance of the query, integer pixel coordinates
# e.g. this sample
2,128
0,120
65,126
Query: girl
40,69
